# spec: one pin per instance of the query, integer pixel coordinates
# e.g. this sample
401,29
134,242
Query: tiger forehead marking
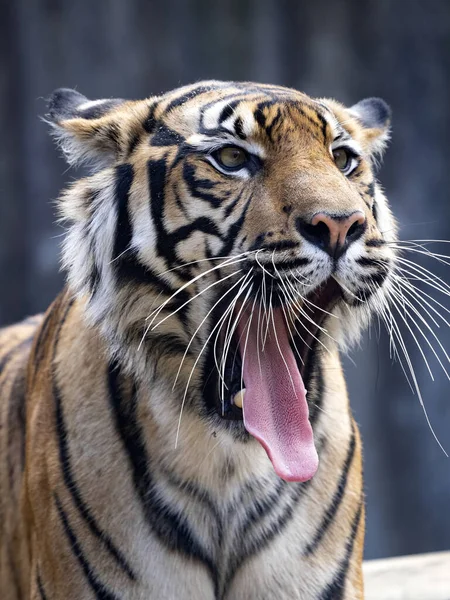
188,429
291,132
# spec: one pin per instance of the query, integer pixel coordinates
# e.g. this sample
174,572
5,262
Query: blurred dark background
347,49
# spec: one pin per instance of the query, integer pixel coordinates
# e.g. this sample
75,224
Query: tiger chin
177,424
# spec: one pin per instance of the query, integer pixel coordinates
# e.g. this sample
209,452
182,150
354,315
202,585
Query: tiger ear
368,121
374,115
87,131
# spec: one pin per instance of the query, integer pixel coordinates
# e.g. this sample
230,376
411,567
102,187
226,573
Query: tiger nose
333,233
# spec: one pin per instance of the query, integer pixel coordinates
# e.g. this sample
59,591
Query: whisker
280,351
442,258
201,260
413,292
119,255
230,333
201,324
149,325
261,266
248,325
411,276
268,315
388,319
346,289
426,241
196,296
416,384
423,272
189,380
404,319
231,261
394,331
258,332
301,311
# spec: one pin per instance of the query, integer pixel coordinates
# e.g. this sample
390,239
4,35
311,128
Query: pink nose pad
337,232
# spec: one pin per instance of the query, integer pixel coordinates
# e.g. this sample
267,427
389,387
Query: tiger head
227,233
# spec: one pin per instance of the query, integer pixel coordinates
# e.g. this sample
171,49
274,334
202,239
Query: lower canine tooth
239,398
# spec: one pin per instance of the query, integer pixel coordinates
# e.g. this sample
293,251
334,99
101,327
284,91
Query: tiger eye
341,158
232,157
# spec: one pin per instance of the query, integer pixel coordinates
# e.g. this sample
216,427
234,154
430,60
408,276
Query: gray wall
348,49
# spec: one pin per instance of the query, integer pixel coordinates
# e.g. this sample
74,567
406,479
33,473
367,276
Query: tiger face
228,233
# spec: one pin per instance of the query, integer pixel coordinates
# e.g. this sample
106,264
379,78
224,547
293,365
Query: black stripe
203,224
197,187
171,527
366,261
150,122
99,110
133,142
287,265
94,277
239,128
39,346
199,494
375,243
112,131
179,202
377,279
124,231
259,117
129,268
164,136
273,124
375,211
250,547
281,245
262,508
227,111
324,124
201,89
126,261
67,471
164,345
335,590
314,382
40,588
312,122
233,231
233,100
338,496
157,171
232,205
166,242
99,589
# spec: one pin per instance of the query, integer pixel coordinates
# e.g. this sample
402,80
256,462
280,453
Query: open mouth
268,358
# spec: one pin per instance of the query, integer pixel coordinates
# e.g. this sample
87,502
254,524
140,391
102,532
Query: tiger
177,424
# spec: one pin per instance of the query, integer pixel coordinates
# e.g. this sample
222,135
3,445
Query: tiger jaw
304,322
257,385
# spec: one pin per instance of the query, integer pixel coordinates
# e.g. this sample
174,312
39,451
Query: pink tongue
275,407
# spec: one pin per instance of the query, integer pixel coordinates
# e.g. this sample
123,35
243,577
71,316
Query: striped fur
97,500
